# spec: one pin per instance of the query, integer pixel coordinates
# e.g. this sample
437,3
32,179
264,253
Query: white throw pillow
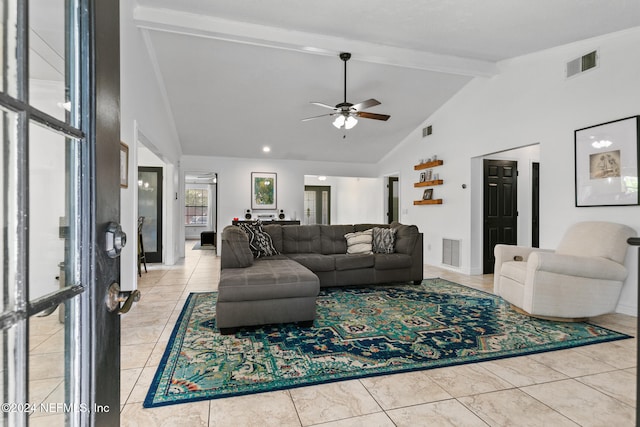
359,242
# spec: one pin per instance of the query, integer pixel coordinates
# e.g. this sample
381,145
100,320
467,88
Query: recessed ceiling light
322,178
266,149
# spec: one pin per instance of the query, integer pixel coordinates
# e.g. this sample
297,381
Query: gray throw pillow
384,240
260,241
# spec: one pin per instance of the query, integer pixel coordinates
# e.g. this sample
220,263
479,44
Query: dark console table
275,221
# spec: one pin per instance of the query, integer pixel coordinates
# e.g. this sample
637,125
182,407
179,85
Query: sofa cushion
275,231
267,279
315,262
359,242
406,237
260,242
384,240
332,240
353,261
235,248
301,239
392,261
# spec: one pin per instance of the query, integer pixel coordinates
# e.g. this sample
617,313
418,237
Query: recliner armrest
572,265
506,253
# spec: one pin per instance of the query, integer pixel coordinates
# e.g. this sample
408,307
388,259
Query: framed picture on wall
606,163
264,190
428,194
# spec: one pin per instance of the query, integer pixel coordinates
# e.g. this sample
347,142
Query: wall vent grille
451,252
427,131
582,64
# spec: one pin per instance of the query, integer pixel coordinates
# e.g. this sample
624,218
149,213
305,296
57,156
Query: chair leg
142,257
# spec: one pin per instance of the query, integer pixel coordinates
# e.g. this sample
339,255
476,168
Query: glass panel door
150,207
317,204
45,212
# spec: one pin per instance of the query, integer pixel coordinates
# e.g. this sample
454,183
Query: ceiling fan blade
375,116
365,104
320,104
317,117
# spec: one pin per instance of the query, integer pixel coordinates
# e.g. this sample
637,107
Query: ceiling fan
346,112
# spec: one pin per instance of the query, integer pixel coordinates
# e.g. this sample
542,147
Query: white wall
528,102
234,181
143,111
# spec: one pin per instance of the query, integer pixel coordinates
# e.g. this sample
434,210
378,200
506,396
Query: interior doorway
317,205
200,204
500,207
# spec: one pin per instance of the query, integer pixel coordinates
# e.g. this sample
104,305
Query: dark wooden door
392,203
500,207
535,205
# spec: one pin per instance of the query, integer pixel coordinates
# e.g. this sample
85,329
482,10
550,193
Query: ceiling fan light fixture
345,112
350,122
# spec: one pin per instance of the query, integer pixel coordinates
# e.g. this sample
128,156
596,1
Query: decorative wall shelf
428,183
428,165
428,202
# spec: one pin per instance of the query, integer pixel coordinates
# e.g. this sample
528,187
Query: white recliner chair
582,278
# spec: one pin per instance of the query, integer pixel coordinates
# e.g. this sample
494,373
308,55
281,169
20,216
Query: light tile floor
587,386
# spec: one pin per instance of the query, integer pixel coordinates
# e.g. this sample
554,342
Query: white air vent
427,131
582,64
451,252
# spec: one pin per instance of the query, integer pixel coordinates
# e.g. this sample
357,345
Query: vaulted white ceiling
239,75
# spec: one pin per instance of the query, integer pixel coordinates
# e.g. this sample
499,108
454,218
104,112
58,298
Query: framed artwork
606,163
264,190
428,194
124,165
422,177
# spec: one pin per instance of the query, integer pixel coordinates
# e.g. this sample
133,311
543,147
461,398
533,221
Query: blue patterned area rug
358,332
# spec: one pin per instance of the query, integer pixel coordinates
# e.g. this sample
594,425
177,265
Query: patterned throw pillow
359,242
260,242
384,240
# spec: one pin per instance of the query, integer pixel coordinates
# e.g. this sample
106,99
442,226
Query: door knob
116,239
115,297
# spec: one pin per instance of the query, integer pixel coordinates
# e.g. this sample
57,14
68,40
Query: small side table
208,238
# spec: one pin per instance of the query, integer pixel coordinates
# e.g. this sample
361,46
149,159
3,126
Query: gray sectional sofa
282,286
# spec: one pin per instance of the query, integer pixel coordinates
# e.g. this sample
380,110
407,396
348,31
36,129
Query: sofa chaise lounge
281,284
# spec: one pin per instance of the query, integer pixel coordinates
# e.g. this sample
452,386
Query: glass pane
310,207
148,208
52,211
51,346
395,203
196,206
325,207
9,343
9,228
8,19
48,47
